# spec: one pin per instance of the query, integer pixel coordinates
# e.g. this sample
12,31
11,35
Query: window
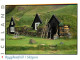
36,25
12,23
12,29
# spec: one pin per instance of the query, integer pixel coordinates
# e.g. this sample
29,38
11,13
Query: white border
44,57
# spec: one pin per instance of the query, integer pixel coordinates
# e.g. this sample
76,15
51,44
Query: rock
56,36
32,41
69,35
61,43
16,35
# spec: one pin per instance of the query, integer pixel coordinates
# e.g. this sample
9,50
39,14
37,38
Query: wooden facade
36,22
11,26
53,25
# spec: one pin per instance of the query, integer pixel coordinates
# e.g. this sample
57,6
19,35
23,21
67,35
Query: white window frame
37,23
12,23
12,29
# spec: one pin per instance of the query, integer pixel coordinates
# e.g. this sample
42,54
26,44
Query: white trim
12,23
12,29
36,25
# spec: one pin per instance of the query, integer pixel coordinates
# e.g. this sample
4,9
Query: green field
21,45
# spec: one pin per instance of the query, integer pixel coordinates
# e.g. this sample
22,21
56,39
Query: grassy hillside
24,15
21,45
28,13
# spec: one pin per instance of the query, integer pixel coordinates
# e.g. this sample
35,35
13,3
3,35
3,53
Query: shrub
32,32
61,24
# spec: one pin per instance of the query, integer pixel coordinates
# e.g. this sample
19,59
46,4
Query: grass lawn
21,45
42,52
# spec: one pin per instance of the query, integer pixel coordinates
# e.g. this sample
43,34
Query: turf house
48,30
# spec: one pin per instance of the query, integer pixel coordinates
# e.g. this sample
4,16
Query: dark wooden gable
54,21
12,23
12,26
53,26
36,19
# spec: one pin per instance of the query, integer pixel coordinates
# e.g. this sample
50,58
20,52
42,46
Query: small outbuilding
12,26
36,22
53,27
